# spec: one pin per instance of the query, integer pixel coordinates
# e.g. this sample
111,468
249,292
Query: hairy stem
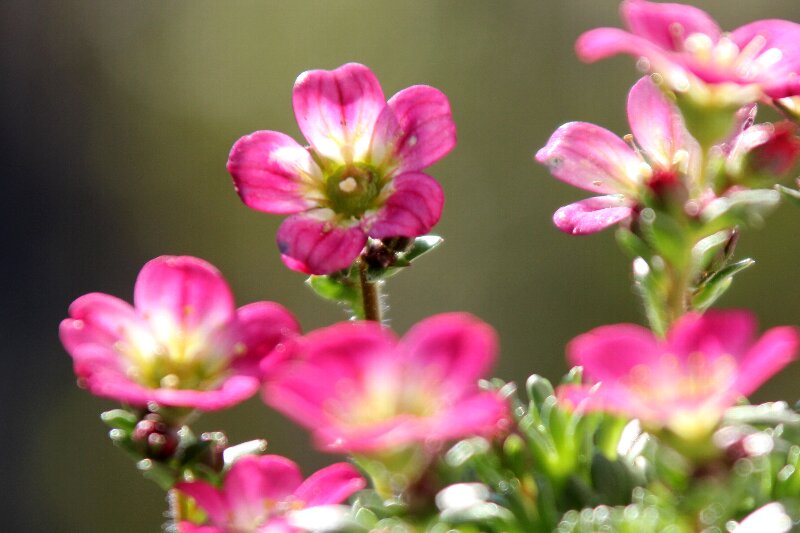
370,294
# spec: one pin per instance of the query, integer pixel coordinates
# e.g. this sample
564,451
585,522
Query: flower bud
154,438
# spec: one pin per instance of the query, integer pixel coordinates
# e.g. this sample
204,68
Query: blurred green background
117,118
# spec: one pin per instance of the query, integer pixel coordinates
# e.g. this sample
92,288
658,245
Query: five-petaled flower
684,382
261,493
592,158
182,344
360,390
686,46
361,175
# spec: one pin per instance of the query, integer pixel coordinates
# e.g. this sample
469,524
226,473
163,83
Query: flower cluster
649,421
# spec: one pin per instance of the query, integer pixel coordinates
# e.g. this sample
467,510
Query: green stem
177,503
370,294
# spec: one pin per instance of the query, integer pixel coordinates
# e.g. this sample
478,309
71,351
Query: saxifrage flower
182,343
360,390
361,175
260,493
686,46
684,382
595,159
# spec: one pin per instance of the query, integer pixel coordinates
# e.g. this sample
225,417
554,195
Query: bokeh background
117,118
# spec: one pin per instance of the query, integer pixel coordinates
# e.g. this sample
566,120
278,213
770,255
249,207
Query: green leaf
717,284
539,389
119,419
341,290
422,245
707,249
632,244
792,194
665,235
747,207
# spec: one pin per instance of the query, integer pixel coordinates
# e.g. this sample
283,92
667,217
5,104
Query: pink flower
686,46
593,158
766,151
684,382
260,493
182,344
359,389
360,177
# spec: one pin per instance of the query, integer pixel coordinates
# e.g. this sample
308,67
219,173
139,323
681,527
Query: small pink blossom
360,390
182,343
361,175
594,159
684,382
260,493
686,46
766,151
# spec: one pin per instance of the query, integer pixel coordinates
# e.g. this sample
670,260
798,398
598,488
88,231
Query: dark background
117,118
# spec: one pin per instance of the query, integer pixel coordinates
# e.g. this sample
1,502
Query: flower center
184,361
747,63
353,189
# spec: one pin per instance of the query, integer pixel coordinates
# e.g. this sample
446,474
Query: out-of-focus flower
593,158
260,493
686,46
684,382
764,153
360,390
361,175
182,343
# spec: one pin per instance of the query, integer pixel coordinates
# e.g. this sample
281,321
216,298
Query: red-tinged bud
778,155
154,438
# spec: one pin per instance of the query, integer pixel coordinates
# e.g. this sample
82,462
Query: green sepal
419,247
163,475
648,280
707,250
632,245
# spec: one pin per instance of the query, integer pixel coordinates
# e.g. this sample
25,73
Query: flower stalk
370,293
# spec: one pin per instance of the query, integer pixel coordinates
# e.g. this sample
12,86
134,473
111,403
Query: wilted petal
272,172
315,244
667,24
592,215
337,110
416,129
330,485
414,206
591,158
181,294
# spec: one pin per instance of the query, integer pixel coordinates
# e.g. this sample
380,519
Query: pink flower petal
414,206
337,109
262,326
99,319
776,66
188,527
776,349
608,353
607,397
315,244
330,485
591,158
601,43
416,129
208,498
667,24
484,414
657,125
254,479
716,333
317,367
592,215
456,347
182,294
271,172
